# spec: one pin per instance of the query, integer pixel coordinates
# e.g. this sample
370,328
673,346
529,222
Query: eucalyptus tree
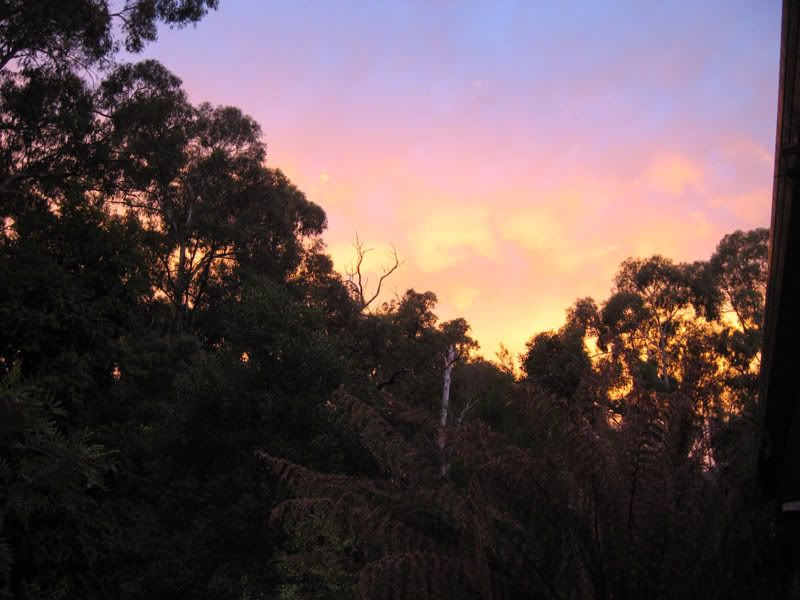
649,315
739,270
51,56
83,33
196,176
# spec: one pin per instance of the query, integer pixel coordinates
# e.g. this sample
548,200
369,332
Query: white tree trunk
449,362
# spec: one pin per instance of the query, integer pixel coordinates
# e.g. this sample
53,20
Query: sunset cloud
448,235
514,153
463,298
673,174
747,207
531,229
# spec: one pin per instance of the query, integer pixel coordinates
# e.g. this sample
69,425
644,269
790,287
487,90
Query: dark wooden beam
778,459
779,455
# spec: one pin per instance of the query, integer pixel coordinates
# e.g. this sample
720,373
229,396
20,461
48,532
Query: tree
168,307
75,287
48,116
196,176
39,32
558,362
459,345
650,311
357,281
739,265
739,271
48,473
586,511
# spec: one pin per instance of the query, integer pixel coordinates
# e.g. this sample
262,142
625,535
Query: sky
514,153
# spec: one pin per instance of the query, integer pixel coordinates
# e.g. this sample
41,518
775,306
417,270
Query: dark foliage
194,403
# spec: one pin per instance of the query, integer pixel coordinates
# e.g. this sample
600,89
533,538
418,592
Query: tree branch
355,277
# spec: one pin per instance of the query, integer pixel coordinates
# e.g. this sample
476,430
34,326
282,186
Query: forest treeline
195,404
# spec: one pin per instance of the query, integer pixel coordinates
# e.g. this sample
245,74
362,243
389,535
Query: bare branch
356,280
394,378
467,407
387,271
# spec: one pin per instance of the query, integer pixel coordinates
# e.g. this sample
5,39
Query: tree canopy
194,403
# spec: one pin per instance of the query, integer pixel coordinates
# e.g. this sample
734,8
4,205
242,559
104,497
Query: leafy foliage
593,487
194,403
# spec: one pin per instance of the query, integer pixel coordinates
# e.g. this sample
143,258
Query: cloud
750,208
673,174
531,229
570,144
342,254
745,150
463,298
701,226
448,235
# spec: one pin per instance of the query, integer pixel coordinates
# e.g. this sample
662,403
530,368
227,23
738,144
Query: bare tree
358,282
449,362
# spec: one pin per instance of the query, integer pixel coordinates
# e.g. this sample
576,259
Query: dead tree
357,282
449,362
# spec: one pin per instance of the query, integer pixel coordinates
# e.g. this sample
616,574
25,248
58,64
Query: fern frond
388,447
304,482
417,418
417,575
298,509
376,531
6,555
444,503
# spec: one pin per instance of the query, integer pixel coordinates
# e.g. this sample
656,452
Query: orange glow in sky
513,153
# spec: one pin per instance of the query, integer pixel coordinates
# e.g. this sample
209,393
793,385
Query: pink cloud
512,187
